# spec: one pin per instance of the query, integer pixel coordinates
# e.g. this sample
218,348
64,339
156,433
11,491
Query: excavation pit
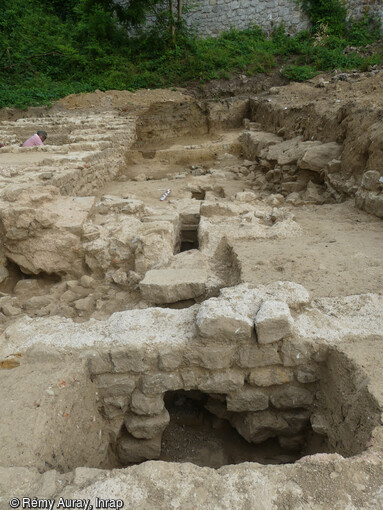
198,195
189,238
170,368
196,435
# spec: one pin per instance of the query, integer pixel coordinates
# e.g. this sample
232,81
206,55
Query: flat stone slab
170,285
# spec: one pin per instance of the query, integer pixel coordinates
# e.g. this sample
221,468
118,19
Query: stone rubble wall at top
214,16
211,17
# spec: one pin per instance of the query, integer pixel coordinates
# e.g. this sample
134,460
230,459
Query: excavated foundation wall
354,172
254,381
260,355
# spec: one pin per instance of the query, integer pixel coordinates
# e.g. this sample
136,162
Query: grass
79,60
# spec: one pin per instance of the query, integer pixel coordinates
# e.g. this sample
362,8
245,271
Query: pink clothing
33,141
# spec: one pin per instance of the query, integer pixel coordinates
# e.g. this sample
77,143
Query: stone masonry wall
211,17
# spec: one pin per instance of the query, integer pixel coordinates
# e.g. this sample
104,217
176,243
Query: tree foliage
50,49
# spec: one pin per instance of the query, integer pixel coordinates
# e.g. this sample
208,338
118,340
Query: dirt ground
338,253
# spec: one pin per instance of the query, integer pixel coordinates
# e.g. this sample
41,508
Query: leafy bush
49,50
330,13
298,73
363,31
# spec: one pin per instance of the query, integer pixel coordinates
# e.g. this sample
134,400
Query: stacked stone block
242,353
82,152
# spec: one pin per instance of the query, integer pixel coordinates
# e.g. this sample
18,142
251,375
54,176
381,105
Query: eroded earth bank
221,348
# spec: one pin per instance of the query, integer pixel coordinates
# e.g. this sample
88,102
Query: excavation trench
274,424
222,170
245,206
194,434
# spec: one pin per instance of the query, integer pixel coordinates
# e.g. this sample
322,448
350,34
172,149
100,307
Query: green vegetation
50,49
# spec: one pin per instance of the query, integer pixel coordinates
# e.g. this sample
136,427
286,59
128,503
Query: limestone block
154,244
209,209
171,285
213,357
217,408
333,166
78,289
287,152
192,378
132,359
314,193
316,158
25,287
87,281
294,294
49,251
115,385
270,376
370,202
253,142
158,214
142,404
147,427
247,399
298,419
273,322
294,199
258,426
47,237
9,310
319,424
189,210
370,180
72,212
170,359
111,245
98,363
68,297
85,304
112,203
130,449
291,396
296,352
220,321
120,277
245,196
153,384
250,356
222,382
293,186
115,406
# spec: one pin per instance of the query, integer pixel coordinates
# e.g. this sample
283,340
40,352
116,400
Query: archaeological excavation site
191,309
